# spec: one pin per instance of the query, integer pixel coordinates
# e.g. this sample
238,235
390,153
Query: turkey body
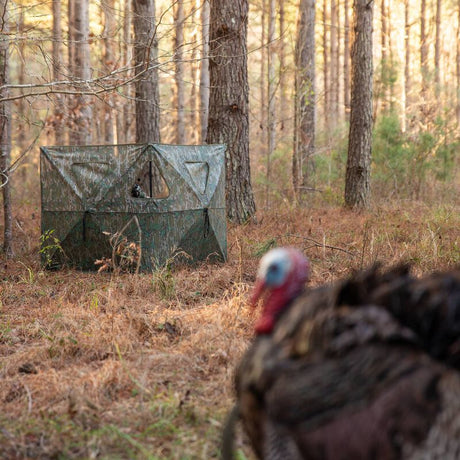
365,368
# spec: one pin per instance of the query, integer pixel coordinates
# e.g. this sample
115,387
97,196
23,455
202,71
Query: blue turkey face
275,267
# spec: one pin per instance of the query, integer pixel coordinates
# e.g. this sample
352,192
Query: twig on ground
320,245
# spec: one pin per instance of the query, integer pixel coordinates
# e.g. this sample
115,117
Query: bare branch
5,179
16,162
95,86
320,245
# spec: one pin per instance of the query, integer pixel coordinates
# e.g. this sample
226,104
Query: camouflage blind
137,205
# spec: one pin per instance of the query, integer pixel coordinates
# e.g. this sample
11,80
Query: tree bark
145,59
228,101
5,133
305,94
357,180
204,76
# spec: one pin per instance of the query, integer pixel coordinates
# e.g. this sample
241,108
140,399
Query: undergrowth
125,366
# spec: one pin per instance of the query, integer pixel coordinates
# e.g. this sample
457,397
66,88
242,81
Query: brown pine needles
112,365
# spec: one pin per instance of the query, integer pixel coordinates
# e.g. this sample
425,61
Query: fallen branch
321,245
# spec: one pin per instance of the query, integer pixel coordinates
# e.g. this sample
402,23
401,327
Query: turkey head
281,277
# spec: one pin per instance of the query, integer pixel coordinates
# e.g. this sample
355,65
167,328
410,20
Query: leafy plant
49,246
163,278
30,278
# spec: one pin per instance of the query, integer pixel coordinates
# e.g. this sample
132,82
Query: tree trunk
81,131
271,92
110,30
305,114
357,180
70,100
204,78
381,93
145,59
228,101
423,61
334,71
21,117
391,59
437,51
179,74
263,81
337,62
383,19
282,68
407,76
59,134
71,36
5,134
326,69
124,115
194,75
346,62
458,65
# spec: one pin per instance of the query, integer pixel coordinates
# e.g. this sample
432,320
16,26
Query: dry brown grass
140,366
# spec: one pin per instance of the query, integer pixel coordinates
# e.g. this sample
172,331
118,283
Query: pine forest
341,121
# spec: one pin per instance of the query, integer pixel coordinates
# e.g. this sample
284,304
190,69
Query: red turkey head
280,279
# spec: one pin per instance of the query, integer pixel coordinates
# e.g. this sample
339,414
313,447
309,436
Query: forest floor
123,366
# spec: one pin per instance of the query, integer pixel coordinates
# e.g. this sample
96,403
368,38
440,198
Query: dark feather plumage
365,368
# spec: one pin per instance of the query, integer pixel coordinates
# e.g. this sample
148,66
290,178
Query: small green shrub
49,245
404,164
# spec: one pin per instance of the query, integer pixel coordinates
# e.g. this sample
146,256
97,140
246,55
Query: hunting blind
144,202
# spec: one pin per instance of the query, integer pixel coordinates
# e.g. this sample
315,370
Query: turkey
363,368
